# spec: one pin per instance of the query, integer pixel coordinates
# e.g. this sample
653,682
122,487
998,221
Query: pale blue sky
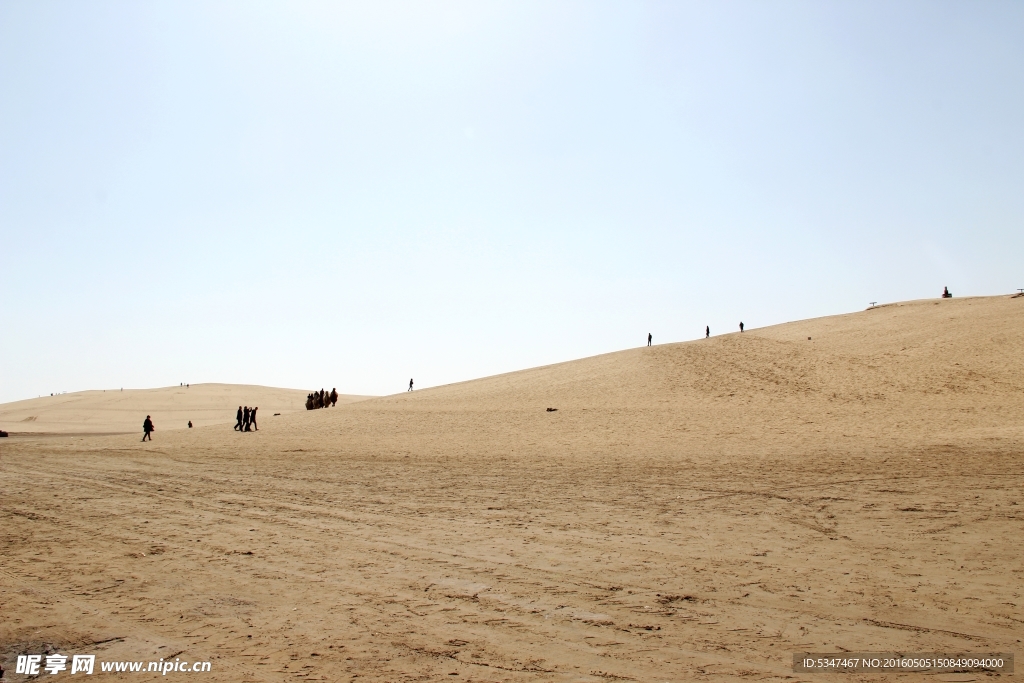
319,194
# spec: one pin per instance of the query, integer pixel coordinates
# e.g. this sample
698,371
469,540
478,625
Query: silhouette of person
147,429
245,419
238,419
410,384
946,294
334,396
707,331
741,327
252,419
649,338
190,424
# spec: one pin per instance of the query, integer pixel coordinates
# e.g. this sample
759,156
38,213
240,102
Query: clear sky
318,194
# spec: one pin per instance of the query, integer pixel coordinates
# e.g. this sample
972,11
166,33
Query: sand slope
119,411
691,511
909,374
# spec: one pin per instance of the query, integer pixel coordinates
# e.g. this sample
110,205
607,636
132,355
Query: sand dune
914,373
122,411
691,511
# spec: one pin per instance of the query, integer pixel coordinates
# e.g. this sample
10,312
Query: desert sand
121,411
691,511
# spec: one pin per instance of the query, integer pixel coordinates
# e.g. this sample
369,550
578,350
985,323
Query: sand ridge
122,410
692,511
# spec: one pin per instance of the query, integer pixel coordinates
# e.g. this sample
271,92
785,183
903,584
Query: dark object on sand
551,410
946,294
276,414
320,399
2,433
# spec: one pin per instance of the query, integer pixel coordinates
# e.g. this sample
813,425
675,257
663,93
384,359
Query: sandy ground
119,411
695,511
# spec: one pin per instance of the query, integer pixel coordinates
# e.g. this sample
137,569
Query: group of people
321,399
246,419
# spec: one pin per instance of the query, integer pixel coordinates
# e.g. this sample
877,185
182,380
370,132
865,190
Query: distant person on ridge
946,294
252,419
707,331
334,396
238,419
649,338
741,327
410,384
147,429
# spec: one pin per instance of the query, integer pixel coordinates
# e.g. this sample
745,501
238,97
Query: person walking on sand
252,419
410,384
245,419
741,326
649,338
707,331
147,429
238,419
334,396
